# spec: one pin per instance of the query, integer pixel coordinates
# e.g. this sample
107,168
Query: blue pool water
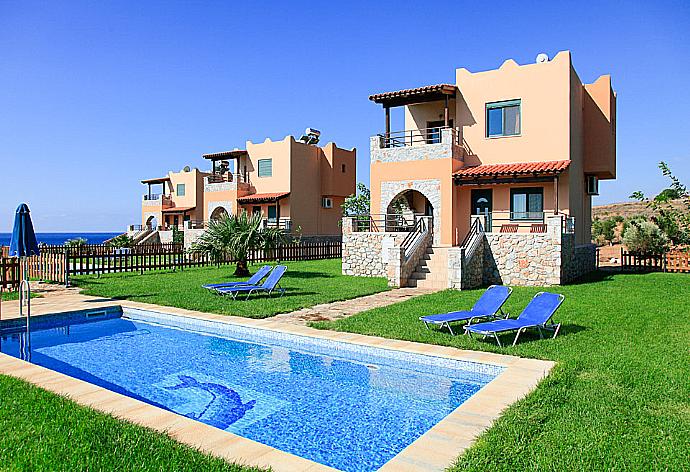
346,406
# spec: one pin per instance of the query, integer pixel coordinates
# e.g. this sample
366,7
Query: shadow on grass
308,275
532,335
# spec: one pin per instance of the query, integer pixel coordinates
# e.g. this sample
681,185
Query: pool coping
435,450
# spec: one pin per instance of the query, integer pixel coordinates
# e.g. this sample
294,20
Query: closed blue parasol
23,242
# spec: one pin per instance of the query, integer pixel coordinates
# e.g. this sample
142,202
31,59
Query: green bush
76,242
121,241
644,237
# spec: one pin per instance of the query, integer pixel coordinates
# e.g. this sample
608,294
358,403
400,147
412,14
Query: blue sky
95,96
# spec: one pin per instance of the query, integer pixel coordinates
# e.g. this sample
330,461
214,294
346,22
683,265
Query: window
272,213
265,167
592,185
342,168
526,204
327,202
503,118
180,190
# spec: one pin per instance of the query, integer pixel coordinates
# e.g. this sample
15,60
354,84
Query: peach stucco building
517,149
296,186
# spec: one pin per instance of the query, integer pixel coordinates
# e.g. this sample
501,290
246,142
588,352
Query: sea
60,238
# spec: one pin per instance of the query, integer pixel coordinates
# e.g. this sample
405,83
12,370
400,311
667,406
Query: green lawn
307,283
43,431
619,397
15,295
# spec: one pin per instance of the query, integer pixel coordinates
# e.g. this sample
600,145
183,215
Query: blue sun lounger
488,305
270,285
253,280
537,314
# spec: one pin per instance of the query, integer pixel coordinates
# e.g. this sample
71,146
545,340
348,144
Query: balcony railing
523,222
283,223
227,177
419,137
391,223
158,199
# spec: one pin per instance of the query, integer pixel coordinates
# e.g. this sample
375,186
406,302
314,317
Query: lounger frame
546,326
494,316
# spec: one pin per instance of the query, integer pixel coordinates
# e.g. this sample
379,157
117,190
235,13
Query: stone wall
577,260
399,268
191,235
522,259
367,254
166,236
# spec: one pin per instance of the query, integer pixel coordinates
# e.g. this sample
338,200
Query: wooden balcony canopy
262,198
161,180
221,156
428,93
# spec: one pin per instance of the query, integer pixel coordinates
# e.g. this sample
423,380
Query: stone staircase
432,270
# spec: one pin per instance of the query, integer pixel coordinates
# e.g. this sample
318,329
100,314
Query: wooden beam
388,122
446,114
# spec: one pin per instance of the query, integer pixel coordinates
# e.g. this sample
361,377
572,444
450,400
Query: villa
491,181
295,184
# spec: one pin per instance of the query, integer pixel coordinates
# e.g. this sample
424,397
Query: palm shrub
237,236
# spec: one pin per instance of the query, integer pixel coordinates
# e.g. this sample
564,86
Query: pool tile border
433,451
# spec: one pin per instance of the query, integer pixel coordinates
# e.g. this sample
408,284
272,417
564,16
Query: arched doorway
219,213
404,209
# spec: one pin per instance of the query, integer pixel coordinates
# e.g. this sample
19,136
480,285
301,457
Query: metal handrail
421,135
414,239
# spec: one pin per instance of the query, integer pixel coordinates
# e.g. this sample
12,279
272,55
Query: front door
482,204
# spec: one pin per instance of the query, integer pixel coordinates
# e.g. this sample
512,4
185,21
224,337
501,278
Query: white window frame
326,202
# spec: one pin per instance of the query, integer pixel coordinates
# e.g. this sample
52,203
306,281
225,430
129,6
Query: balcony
218,182
157,200
419,144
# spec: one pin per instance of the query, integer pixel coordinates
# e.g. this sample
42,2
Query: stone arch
215,209
152,221
218,213
430,189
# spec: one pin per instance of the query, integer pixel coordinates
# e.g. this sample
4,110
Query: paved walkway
345,308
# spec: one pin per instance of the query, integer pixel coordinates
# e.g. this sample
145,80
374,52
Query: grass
308,283
43,431
14,295
619,397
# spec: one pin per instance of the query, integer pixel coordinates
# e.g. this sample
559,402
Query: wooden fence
673,261
9,273
59,263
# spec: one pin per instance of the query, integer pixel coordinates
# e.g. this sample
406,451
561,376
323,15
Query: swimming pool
347,406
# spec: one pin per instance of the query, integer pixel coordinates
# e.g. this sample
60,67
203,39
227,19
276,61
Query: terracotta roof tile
517,168
263,197
439,88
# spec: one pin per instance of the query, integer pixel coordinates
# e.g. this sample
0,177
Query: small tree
358,203
237,236
671,208
644,237
177,235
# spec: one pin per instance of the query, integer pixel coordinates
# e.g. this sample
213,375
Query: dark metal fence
59,263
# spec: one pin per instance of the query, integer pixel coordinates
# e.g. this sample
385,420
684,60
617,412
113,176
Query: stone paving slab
342,309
